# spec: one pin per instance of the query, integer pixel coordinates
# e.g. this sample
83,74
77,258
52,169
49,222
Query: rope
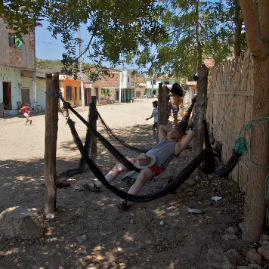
242,146
51,94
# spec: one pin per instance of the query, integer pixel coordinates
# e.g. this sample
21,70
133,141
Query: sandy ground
88,230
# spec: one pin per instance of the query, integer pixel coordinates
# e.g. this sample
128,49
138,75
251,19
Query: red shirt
25,109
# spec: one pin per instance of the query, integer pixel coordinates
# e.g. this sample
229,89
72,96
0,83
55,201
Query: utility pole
120,89
80,71
34,77
152,86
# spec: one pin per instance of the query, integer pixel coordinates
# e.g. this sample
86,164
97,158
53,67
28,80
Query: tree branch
253,32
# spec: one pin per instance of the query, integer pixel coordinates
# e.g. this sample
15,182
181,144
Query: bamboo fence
229,108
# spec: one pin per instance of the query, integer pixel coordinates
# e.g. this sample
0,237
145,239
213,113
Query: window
68,93
11,40
153,82
79,93
76,95
14,41
166,82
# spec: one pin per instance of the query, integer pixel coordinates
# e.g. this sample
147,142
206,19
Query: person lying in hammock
152,163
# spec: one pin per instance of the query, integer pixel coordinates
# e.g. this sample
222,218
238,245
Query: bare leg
154,132
112,174
144,175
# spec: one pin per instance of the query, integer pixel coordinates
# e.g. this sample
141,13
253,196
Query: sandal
93,189
122,205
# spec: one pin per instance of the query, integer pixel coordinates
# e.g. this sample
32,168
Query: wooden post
51,123
92,121
200,109
162,108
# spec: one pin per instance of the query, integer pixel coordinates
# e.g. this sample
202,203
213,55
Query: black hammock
206,155
178,180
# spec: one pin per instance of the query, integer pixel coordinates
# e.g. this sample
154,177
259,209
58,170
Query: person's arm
183,144
163,130
149,117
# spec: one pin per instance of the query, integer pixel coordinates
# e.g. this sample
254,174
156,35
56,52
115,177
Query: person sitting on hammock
152,163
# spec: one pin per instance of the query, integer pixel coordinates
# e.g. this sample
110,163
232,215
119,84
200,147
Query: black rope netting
106,143
82,163
227,168
205,156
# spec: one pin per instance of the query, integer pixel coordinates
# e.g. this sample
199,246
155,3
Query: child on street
155,115
26,112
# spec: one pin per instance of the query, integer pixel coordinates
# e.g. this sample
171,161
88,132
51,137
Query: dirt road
88,230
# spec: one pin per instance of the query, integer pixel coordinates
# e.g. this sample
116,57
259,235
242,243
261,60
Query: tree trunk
256,23
51,122
238,20
92,120
259,154
162,108
200,109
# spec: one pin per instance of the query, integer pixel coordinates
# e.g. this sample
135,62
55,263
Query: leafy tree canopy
171,36
196,29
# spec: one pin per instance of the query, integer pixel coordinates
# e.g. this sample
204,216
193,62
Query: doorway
7,95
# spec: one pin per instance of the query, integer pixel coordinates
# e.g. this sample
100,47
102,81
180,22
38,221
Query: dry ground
88,230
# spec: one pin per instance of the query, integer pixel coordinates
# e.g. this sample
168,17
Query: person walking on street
26,112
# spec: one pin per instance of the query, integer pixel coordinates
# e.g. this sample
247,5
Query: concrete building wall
19,83
11,76
126,82
41,93
22,58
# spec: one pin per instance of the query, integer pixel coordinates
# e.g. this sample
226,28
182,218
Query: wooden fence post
200,109
92,120
51,123
162,108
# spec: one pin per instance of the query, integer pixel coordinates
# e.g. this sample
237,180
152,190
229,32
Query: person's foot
153,138
91,187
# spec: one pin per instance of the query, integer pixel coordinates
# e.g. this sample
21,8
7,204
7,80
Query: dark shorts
175,110
154,169
155,124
